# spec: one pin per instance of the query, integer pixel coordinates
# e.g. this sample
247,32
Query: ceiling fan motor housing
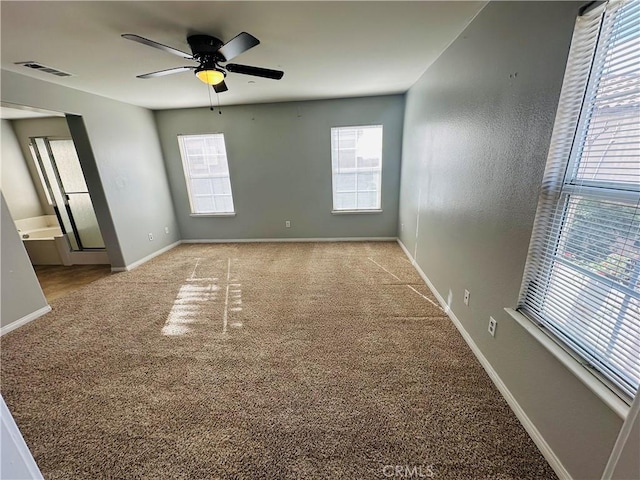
204,45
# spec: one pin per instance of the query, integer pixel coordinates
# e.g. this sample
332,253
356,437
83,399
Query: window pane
595,317
369,148
206,168
345,182
611,142
217,165
201,186
368,181
198,166
623,162
356,158
344,201
203,203
367,200
602,237
224,203
221,186
345,160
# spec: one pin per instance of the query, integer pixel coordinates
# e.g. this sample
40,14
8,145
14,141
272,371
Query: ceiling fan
210,52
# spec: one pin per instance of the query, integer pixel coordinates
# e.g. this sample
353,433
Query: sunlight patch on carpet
188,307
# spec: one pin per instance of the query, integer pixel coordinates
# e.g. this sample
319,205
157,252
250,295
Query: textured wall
20,294
280,165
38,127
476,134
18,187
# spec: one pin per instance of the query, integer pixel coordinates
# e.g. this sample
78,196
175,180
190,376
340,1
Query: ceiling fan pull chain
210,101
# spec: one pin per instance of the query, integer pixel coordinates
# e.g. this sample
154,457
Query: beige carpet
260,361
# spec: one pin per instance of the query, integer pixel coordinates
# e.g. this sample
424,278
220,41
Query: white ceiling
327,49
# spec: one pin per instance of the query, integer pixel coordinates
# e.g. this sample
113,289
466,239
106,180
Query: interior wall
127,164
20,292
27,128
280,165
17,184
476,134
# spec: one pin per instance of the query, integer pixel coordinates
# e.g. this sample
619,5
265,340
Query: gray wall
126,164
38,127
476,137
280,166
20,292
17,184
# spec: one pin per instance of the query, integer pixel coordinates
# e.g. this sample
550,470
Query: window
582,279
356,165
206,170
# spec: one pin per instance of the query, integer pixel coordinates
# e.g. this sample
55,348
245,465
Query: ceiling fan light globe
210,77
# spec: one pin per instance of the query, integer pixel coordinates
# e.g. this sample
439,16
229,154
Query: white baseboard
24,320
137,263
526,422
265,240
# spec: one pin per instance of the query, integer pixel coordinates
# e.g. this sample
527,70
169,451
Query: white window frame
356,169
189,177
559,187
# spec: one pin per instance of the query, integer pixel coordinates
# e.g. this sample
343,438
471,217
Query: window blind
582,278
204,158
356,164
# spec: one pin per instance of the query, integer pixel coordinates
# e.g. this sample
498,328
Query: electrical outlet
166,230
467,295
287,224
492,326
151,237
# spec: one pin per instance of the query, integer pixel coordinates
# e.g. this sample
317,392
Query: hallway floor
57,280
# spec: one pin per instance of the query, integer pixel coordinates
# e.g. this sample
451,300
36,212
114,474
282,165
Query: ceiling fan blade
151,43
220,87
237,45
255,71
169,71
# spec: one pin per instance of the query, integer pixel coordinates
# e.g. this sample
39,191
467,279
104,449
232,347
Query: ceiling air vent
45,69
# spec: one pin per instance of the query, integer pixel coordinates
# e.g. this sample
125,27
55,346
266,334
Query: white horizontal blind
582,279
204,158
356,164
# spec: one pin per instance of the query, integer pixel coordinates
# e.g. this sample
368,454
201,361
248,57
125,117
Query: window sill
354,212
232,214
592,382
